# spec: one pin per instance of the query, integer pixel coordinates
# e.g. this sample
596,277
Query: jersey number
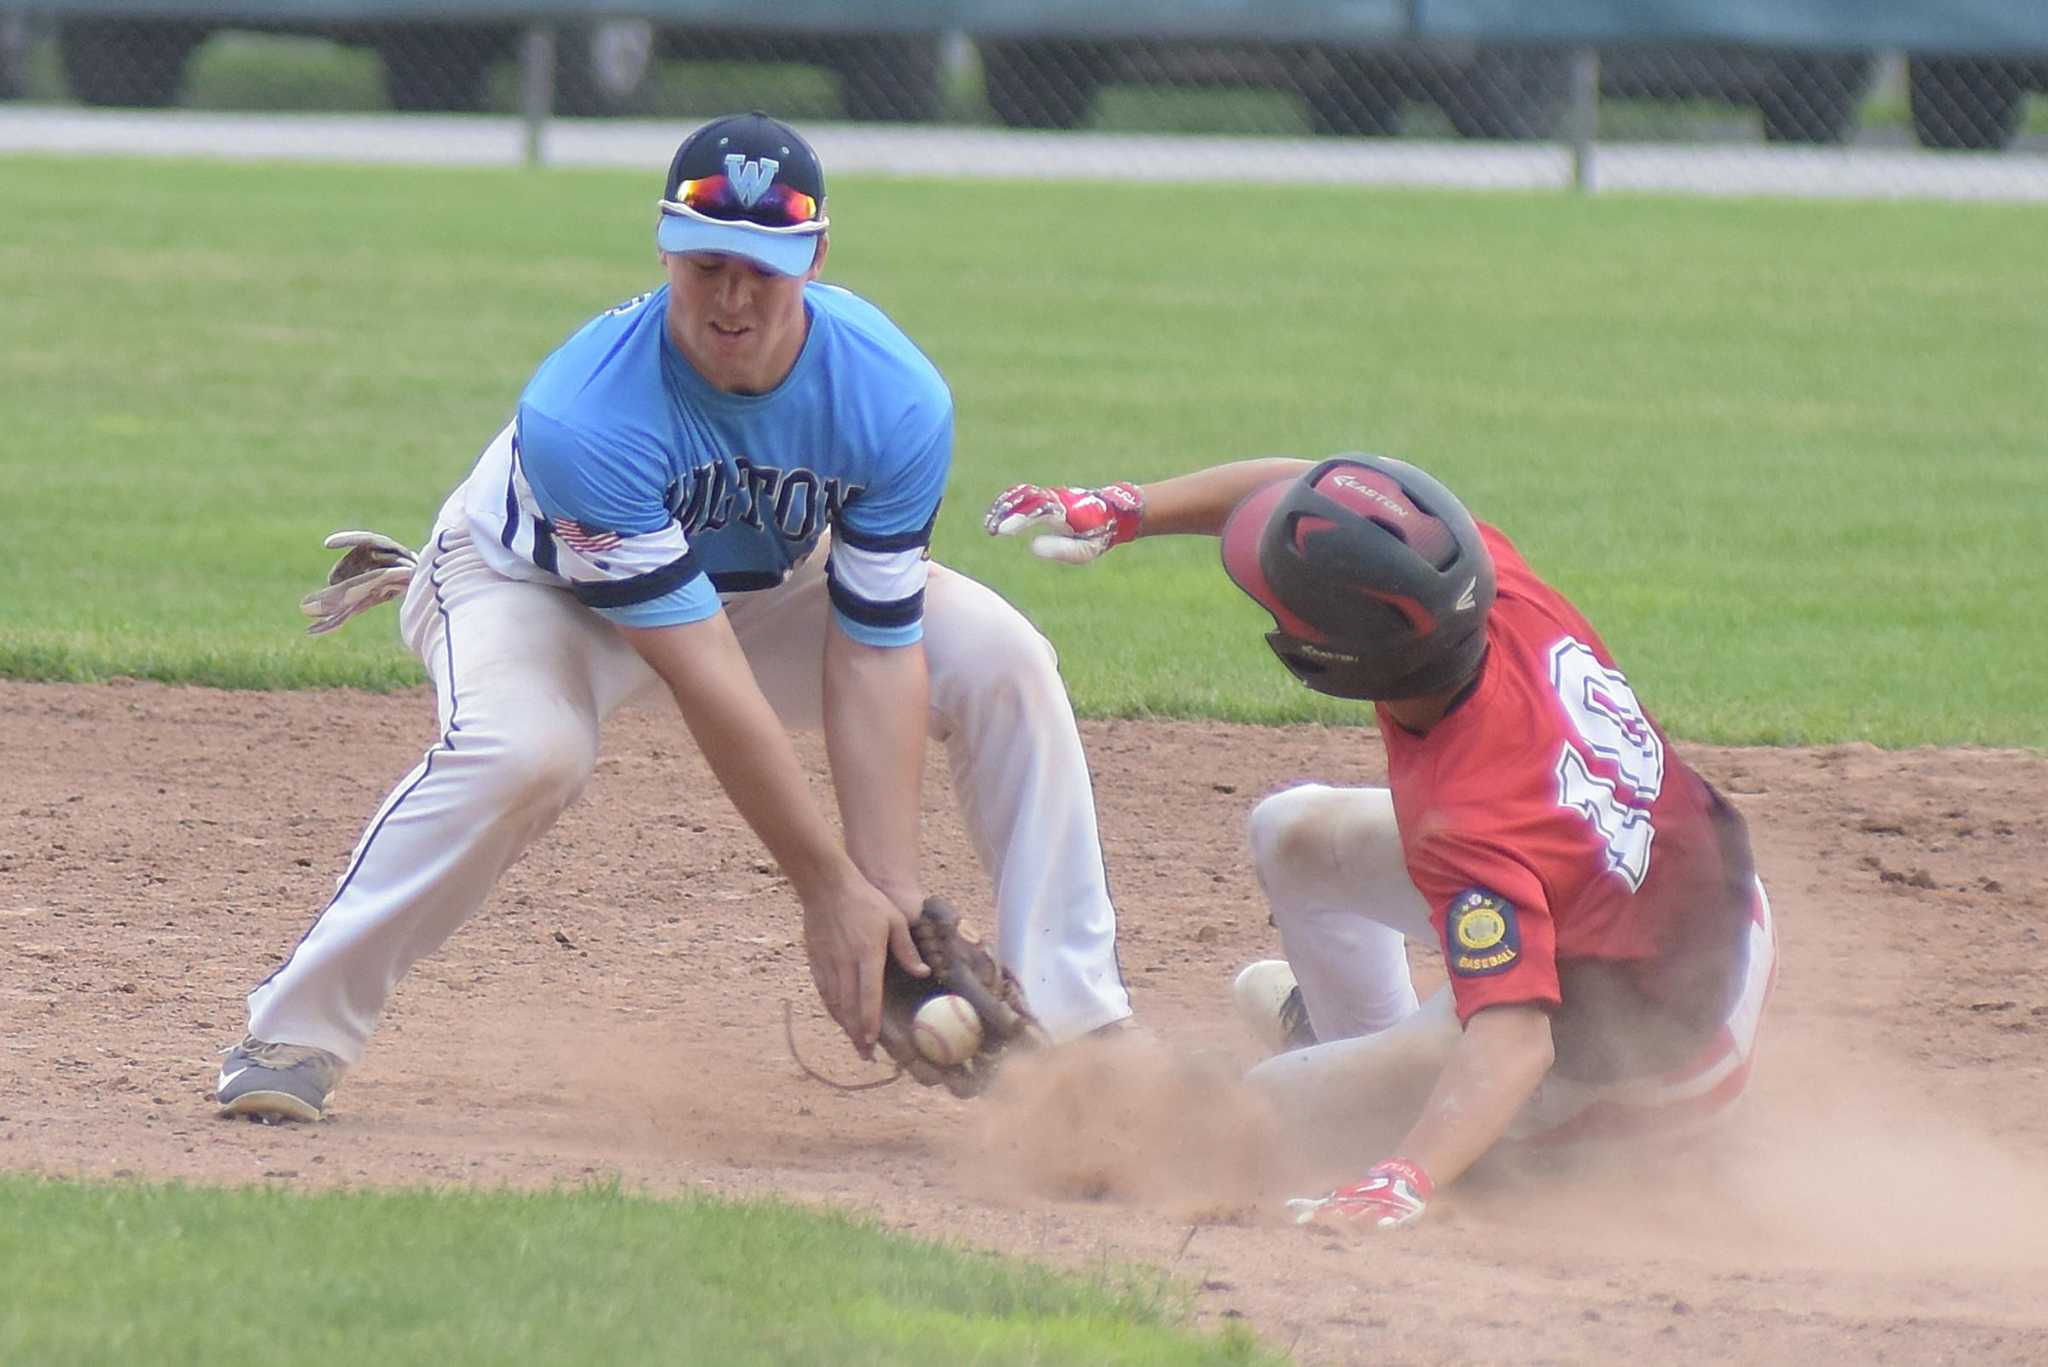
1604,711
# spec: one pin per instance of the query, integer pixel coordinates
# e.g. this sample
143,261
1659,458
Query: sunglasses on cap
774,207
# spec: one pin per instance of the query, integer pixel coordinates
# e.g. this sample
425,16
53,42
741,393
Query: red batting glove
1079,524
1393,1194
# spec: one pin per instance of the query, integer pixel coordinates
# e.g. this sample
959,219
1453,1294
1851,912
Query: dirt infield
618,1009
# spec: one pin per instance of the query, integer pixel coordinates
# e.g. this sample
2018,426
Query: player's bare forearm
877,701
1493,1071
748,749
849,925
1197,504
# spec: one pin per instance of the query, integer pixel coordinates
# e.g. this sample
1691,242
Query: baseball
946,1030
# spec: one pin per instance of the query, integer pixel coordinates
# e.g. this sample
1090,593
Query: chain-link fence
1223,80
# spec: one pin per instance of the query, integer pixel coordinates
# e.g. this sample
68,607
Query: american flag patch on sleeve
581,539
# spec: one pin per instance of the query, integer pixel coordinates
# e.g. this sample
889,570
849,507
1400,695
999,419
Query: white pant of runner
525,675
1329,861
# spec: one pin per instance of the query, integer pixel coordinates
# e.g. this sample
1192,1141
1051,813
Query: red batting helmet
1375,575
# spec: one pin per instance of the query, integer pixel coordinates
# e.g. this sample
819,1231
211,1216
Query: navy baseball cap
748,185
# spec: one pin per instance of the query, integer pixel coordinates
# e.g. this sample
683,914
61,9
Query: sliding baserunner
1608,945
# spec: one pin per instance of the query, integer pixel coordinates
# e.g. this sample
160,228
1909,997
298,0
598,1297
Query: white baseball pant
525,675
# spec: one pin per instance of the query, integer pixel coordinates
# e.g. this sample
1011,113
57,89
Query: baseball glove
961,966
375,570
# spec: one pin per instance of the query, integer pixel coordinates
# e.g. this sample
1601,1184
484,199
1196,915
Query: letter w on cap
750,179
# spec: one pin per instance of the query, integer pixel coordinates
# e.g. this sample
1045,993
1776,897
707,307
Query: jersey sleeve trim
878,576
875,588
678,609
898,612
916,539
640,588
889,638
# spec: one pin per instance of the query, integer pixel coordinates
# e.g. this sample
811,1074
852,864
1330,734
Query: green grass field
1789,455
170,1275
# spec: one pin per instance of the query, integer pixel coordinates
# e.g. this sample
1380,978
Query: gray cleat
1269,1002
273,1082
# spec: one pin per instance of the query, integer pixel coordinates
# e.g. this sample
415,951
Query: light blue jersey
650,494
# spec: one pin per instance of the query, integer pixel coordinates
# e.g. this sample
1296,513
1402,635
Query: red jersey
1545,820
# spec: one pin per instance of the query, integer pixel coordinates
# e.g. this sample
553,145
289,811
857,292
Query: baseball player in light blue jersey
721,492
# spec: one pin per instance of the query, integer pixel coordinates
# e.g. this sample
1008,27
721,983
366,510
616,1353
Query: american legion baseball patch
1483,934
